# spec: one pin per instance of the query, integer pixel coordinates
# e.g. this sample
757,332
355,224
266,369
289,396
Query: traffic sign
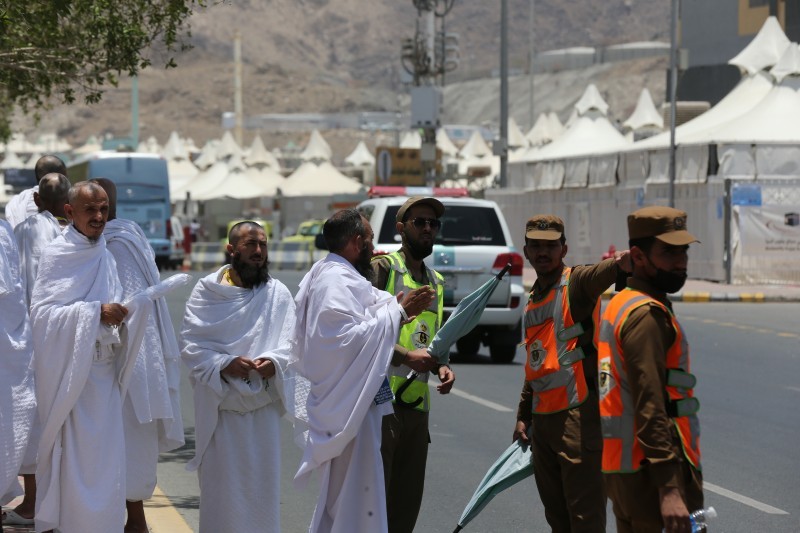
384,165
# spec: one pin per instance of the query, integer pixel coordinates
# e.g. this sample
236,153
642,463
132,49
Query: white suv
473,244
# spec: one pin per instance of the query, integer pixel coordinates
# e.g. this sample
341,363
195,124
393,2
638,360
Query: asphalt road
747,362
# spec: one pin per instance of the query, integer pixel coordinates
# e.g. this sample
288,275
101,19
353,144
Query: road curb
162,516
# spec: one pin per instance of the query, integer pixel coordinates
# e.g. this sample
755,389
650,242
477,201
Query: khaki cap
545,227
664,223
437,206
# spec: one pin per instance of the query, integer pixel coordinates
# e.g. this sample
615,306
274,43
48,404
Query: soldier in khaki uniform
651,453
405,437
558,404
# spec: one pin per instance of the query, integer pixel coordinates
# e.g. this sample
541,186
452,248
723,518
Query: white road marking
796,389
477,399
763,507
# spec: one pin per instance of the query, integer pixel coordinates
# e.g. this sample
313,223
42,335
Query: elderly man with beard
651,433
404,445
86,343
558,407
236,340
346,331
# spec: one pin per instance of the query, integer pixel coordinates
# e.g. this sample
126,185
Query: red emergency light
380,191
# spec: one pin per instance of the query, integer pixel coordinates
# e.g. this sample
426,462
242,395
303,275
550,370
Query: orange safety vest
622,452
554,365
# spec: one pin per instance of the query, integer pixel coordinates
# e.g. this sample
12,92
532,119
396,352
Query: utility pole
501,146
531,55
673,89
237,88
426,56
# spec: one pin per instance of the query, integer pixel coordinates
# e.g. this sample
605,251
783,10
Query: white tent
360,156
50,142
11,160
585,154
181,173
475,147
515,137
317,149
248,183
764,141
174,148
546,129
31,163
444,143
212,178
764,50
228,147
323,180
208,155
645,115
258,155
411,139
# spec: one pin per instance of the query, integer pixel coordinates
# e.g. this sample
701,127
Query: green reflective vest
418,333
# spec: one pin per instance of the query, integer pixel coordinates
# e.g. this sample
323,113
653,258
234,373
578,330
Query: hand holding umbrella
462,320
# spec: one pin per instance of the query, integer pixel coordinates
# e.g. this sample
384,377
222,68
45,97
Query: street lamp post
673,88
502,151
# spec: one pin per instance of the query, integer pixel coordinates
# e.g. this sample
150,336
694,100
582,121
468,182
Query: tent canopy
323,180
360,156
645,115
764,50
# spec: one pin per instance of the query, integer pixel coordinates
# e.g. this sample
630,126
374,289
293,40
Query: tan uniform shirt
646,337
586,284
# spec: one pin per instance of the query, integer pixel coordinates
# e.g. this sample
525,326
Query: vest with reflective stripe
554,362
622,452
418,333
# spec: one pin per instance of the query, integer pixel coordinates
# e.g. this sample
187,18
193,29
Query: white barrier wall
597,217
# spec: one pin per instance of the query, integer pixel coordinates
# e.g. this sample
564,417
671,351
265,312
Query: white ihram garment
79,385
17,398
346,331
237,441
152,412
33,234
21,206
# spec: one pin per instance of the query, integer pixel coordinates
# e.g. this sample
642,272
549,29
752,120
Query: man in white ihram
151,411
18,402
33,234
88,342
346,331
236,340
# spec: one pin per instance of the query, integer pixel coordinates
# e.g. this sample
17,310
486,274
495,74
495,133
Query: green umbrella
464,317
462,320
514,465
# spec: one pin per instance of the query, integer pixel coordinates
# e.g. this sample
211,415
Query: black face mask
669,282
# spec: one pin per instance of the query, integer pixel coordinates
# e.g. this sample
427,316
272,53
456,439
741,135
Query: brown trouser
567,457
404,447
637,506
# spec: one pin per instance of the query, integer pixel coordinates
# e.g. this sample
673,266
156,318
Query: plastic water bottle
701,518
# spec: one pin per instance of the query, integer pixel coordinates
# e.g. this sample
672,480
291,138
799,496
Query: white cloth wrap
17,396
154,389
223,322
346,331
33,234
21,206
75,277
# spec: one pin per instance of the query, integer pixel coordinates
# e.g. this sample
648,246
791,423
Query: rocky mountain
343,55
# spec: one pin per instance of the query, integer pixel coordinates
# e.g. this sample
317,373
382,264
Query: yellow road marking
162,517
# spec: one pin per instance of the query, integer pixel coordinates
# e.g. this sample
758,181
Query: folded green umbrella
514,465
464,317
462,320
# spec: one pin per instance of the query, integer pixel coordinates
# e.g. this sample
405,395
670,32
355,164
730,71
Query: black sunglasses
420,222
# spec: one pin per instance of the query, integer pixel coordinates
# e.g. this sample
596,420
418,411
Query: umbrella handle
398,396
504,271
457,529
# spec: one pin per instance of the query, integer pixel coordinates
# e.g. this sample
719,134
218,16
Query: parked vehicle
142,192
306,231
473,243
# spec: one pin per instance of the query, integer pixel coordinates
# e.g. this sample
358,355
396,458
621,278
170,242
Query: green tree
75,48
